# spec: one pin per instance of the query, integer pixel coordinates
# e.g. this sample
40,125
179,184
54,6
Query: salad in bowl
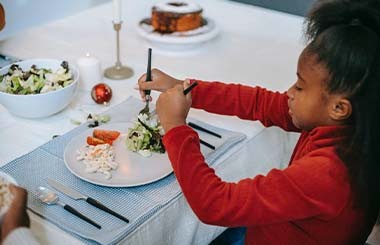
35,80
37,87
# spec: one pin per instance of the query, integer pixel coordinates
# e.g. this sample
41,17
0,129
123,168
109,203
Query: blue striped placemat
135,203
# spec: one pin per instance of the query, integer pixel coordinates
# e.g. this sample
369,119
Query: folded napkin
136,203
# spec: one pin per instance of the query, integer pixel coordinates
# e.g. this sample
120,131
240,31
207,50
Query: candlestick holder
118,71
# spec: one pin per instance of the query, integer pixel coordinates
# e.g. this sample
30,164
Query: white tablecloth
255,46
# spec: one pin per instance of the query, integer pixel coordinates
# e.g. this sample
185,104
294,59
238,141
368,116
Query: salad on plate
145,136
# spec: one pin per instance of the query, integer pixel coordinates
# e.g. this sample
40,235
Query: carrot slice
106,135
94,141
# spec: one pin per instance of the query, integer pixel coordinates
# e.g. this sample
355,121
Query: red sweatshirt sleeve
311,186
253,103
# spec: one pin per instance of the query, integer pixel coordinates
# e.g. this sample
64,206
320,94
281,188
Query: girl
329,193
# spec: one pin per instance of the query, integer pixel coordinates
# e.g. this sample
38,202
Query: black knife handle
76,213
188,89
104,208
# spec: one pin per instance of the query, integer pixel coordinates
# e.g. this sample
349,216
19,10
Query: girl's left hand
16,216
173,106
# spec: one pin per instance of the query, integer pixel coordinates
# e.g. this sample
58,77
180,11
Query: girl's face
308,100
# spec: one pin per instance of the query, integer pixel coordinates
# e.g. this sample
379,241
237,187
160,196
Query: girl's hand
173,106
161,82
16,215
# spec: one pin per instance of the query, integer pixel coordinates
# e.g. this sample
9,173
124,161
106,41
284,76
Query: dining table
253,46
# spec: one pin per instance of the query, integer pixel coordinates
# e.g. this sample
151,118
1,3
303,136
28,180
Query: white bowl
9,179
39,105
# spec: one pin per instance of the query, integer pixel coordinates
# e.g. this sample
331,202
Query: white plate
178,41
133,169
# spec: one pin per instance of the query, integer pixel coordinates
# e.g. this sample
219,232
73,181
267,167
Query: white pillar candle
116,11
90,72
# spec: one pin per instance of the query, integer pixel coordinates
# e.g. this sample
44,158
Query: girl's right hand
160,82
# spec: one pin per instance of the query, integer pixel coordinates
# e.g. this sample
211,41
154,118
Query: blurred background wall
298,7
21,14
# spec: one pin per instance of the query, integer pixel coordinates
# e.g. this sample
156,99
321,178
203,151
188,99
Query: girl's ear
341,109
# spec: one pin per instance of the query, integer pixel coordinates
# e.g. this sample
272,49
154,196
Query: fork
148,78
145,110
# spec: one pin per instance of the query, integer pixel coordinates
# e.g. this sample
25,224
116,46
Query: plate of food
177,26
119,154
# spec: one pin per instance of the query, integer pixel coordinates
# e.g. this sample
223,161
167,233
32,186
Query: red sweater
309,202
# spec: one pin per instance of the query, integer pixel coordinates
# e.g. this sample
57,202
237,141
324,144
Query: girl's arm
253,103
313,186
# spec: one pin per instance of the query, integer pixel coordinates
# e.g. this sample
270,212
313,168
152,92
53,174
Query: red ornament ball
101,93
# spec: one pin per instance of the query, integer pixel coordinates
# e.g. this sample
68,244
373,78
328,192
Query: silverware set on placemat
50,197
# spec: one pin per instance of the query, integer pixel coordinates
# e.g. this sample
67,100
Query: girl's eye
297,88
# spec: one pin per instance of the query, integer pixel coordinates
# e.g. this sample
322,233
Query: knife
77,196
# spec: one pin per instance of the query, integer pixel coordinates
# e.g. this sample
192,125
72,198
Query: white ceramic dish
39,105
9,179
133,169
178,41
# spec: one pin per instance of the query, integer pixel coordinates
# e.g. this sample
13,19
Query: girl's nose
290,92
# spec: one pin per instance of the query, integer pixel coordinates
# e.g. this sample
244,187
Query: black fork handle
149,70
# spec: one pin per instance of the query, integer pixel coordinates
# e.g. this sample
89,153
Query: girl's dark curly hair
344,35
